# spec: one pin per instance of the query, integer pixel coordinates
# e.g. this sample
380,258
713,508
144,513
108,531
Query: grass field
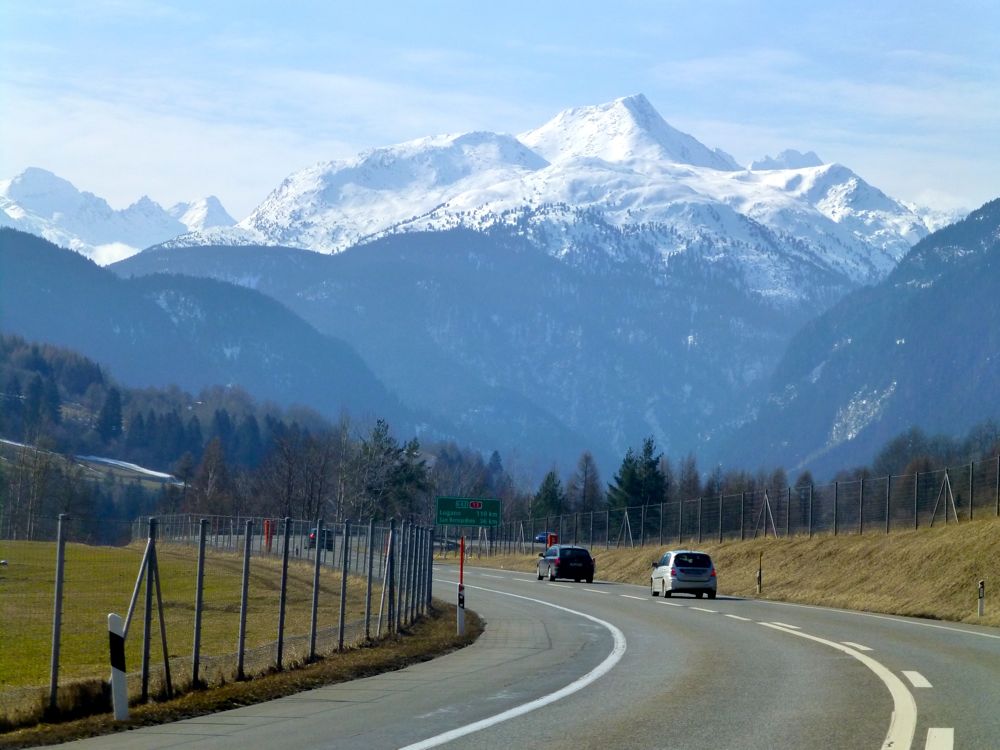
99,580
926,573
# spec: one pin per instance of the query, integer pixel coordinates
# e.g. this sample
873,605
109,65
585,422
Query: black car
328,535
566,561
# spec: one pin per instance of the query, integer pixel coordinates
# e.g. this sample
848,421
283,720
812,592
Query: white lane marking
561,585
702,609
940,738
786,625
597,672
597,591
673,604
629,596
903,723
858,646
877,617
737,617
487,575
916,679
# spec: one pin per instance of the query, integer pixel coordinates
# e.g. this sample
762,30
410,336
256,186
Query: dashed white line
916,679
702,609
741,619
629,596
597,591
940,738
903,723
786,625
858,646
673,604
487,575
561,585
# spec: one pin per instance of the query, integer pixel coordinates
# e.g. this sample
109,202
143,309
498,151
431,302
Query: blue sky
179,100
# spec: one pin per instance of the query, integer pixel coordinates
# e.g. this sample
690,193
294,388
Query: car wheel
552,574
652,588
700,594
711,594
539,572
576,580
666,591
590,580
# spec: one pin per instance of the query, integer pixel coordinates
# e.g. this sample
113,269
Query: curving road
567,665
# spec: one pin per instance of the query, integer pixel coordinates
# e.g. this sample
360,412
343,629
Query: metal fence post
888,494
972,469
147,618
198,603
699,518
368,587
743,499
283,596
412,574
343,586
57,613
391,575
861,508
836,502
247,542
916,512
320,541
811,510
722,501
788,509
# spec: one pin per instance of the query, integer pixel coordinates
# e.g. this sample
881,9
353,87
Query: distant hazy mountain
162,330
922,348
789,159
201,214
46,205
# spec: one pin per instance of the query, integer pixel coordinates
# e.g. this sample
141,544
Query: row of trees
232,455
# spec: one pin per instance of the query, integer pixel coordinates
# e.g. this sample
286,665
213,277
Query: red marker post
460,613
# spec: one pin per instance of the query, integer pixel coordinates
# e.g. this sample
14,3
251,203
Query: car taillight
312,534
673,572
713,572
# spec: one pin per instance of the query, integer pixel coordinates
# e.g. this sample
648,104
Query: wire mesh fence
864,506
227,598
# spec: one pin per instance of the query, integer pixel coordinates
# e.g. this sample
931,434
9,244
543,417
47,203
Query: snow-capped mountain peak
627,128
49,196
201,214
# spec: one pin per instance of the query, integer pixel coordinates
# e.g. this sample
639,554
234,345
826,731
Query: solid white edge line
875,616
597,672
916,679
940,738
903,723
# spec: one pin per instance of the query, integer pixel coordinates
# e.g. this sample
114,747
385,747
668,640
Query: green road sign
468,511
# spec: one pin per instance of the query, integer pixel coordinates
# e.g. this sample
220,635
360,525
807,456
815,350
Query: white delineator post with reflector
119,684
460,612
982,598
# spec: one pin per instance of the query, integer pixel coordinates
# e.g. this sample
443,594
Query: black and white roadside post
982,598
57,613
760,573
119,684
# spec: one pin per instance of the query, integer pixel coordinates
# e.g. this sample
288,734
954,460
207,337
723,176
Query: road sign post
460,612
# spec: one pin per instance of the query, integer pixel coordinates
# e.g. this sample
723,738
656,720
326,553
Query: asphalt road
576,665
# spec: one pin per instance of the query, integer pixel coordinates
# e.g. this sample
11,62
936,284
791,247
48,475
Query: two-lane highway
568,665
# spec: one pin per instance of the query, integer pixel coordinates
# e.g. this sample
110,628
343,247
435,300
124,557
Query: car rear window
575,554
692,560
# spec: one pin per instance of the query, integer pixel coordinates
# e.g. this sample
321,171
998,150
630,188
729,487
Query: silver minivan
683,571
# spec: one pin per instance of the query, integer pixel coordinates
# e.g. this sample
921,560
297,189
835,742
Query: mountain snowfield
39,202
617,164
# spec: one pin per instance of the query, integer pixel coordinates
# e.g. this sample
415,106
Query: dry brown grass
428,637
927,573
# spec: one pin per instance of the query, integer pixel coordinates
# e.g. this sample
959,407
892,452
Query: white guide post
119,685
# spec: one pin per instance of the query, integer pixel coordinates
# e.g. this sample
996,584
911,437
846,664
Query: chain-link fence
224,597
863,506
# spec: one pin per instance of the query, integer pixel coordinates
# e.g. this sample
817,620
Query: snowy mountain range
617,164
41,203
